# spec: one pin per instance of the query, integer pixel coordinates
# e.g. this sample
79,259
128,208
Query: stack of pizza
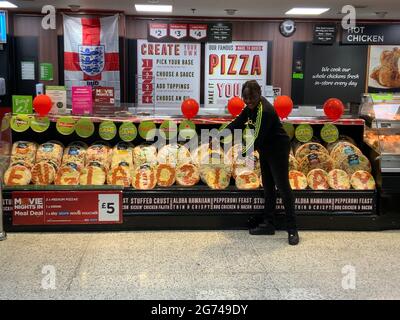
98,161
73,161
245,168
48,161
171,157
120,172
340,166
23,155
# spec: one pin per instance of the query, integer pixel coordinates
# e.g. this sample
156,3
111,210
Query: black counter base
222,222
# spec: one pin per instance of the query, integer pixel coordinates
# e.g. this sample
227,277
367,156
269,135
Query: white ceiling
246,8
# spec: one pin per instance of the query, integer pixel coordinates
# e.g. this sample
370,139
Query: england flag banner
91,53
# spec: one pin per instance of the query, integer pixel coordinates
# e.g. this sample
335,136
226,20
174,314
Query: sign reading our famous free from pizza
168,73
229,66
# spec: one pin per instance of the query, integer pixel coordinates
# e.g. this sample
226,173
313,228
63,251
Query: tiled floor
200,265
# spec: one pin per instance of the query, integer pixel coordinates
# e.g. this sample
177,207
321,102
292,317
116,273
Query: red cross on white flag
91,53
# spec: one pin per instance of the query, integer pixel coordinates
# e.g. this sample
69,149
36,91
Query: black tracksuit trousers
275,172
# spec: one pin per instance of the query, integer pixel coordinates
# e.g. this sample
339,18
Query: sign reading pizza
229,66
63,208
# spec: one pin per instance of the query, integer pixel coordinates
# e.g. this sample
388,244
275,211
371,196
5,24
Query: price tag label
178,31
198,31
158,30
109,207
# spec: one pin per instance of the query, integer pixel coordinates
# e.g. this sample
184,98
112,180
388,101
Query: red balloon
190,108
235,106
333,108
42,104
283,106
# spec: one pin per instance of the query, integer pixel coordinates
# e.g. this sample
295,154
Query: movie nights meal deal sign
228,66
168,73
60,207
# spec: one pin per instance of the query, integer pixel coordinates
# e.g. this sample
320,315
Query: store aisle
200,265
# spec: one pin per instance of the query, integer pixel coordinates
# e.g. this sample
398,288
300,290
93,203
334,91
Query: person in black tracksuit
273,146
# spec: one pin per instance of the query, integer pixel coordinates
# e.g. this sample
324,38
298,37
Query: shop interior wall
30,42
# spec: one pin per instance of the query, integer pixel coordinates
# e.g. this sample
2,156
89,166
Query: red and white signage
228,66
91,53
198,31
168,73
178,31
158,30
63,208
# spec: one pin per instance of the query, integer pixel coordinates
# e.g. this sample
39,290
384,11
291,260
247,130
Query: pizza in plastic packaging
362,180
338,179
297,180
144,177
318,179
316,160
187,175
165,175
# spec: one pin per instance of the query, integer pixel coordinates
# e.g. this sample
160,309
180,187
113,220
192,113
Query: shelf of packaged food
201,200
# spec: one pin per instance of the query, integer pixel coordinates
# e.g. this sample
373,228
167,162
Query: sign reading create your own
168,73
228,66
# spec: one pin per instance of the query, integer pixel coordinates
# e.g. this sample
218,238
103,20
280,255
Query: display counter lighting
7,4
307,11
153,8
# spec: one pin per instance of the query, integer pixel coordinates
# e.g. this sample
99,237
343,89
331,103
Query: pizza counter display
382,134
332,180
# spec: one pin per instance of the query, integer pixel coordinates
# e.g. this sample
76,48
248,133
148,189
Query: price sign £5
109,207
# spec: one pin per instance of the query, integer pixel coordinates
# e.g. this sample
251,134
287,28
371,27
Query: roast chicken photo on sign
388,74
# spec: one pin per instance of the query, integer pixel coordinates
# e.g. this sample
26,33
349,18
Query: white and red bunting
198,31
158,30
178,31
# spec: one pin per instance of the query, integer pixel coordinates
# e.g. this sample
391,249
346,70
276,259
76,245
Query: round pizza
199,153
217,177
187,175
145,154
184,155
119,176
342,138
165,175
247,180
338,179
344,149
353,163
168,154
297,179
93,174
24,151
144,177
99,152
316,160
67,175
43,173
362,180
122,155
74,154
50,151
17,175
318,179
293,163
309,148
232,154
251,163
